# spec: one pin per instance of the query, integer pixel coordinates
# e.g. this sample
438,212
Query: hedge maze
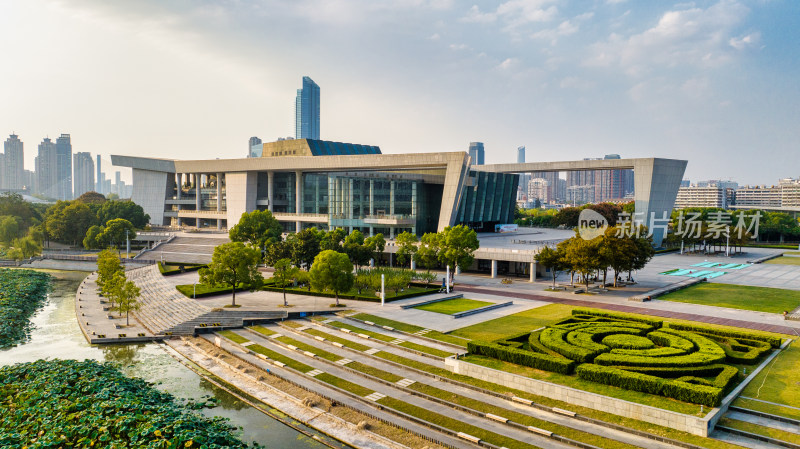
689,363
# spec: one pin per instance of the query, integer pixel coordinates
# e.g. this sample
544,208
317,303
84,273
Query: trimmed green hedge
676,389
187,267
671,340
299,291
620,316
625,342
553,338
708,353
775,342
520,357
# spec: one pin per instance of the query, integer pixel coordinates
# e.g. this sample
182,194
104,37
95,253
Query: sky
713,82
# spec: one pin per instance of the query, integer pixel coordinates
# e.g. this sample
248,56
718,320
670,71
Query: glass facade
488,199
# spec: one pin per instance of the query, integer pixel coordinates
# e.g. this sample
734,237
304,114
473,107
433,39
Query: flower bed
22,292
67,403
687,363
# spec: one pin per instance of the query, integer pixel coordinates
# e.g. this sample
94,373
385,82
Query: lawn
410,328
784,260
514,324
453,306
760,299
778,383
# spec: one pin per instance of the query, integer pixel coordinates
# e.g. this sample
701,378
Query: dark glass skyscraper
306,109
476,152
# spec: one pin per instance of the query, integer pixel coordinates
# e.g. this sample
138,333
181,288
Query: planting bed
689,363
22,292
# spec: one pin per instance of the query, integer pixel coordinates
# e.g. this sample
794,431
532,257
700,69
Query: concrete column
179,183
391,233
198,201
533,271
371,230
413,264
270,190
219,199
298,199
458,270
391,197
494,269
371,201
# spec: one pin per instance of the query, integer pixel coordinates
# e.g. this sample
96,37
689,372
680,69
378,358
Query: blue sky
714,82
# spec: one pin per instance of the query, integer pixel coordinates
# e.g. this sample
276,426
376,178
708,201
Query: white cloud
508,64
740,43
459,47
515,13
434,37
691,36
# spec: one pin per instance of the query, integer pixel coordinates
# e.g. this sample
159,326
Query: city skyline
711,82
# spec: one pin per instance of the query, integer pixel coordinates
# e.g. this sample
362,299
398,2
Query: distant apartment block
83,173
12,168
46,169
64,167
254,147
708,196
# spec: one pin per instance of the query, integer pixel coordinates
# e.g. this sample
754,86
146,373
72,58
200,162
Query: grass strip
453,424
375,335
372,371
585,411
411,328
233,336
344,384
425,349
313,349
342,341
263,330
453,306
518,417
292,324
772,409
782,435
290,362
744,297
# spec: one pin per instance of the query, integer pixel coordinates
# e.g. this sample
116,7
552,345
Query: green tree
235,265
258,228
284,275
26,247
374,245
114,232
127,209
305,246
108,264
551,258
406,247
68,222
618,251
91,241
332,271
457,247
363,280
127,295
9,230
113,286
428,251
355,249
91,198
277,251
583,256
398,280
332,240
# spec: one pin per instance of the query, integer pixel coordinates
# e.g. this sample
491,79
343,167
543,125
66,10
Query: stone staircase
165,311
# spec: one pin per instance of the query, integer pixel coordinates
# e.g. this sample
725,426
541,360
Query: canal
56,335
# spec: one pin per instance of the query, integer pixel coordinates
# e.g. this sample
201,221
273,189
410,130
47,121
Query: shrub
619,316
775,342
520,357
625,342
689,392
553,338
671,340
620,378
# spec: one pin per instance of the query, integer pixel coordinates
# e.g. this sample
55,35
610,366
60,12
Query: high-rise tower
476,152
64,167
306,110
13,167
